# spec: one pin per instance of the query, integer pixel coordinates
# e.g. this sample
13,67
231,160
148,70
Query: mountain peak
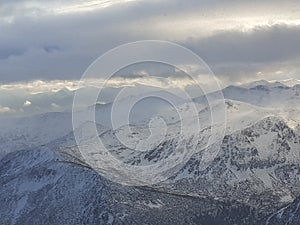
265,83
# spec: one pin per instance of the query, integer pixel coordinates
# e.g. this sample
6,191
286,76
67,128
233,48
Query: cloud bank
58,40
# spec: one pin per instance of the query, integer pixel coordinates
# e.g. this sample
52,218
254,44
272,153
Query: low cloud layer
39,96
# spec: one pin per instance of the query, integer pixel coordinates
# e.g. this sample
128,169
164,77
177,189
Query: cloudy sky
240,40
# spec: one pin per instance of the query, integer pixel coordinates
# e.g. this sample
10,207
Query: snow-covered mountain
260,160
17,133
91,199
263,95
254,173
287,82
275,99
42,187
28,132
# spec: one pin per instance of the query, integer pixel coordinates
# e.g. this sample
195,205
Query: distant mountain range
252,180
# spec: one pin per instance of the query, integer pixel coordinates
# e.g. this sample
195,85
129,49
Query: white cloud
5,110
87,6
54,105
10,11
27,103
58,94
39,87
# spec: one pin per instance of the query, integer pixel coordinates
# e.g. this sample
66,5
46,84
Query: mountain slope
287,215
258,165
41,187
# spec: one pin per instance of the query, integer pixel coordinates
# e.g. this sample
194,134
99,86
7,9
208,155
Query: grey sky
238,39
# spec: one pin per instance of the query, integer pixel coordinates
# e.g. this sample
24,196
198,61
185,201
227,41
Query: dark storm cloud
60,47
261,45
234,55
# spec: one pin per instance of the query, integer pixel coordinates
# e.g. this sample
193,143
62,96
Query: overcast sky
240,40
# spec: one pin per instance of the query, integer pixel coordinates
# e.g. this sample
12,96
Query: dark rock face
287,215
